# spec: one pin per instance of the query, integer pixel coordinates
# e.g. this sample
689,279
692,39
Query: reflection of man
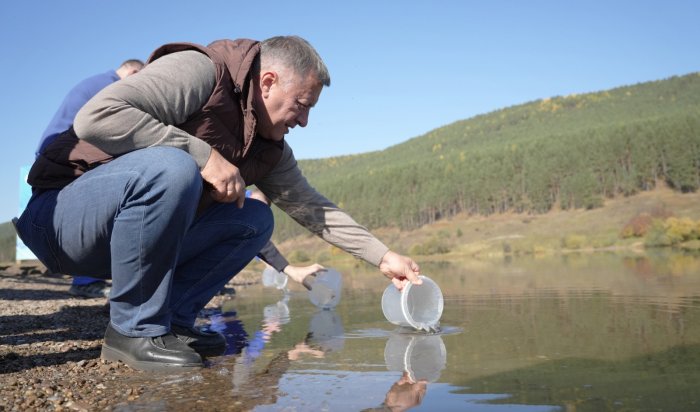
405,393
227,323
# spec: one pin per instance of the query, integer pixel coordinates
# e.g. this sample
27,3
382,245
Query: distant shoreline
512,234
509,234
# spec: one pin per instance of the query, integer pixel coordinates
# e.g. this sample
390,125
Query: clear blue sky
398,68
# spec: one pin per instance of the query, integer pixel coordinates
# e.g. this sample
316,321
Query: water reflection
325,336
596,333
326,331
224,320
419,359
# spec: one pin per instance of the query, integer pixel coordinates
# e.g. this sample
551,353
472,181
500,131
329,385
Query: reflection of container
324,287
273,278
277,312
422,356
417,306
326,331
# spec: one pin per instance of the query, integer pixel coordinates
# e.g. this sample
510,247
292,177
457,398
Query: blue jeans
135,220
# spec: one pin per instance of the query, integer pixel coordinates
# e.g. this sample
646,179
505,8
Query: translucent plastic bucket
416,306
271,278
324,288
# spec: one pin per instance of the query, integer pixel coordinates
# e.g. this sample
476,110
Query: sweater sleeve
273,257
141,110
287,188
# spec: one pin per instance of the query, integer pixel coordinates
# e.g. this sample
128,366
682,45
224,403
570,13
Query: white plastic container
416,306
272,278
325,288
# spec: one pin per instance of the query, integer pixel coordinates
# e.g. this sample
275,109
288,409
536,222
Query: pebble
51,361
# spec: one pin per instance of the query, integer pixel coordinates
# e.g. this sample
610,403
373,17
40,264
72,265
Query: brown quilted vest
226,121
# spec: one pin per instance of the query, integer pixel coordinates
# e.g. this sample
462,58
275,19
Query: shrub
673,231
637,226
574,241
443,234
603,241
680,230
415,249
433,246
656,236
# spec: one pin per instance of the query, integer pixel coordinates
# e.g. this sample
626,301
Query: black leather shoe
149,354
206,343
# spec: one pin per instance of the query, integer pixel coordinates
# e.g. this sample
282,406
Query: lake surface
599,332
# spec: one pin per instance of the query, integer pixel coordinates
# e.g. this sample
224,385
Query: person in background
148,187
62,120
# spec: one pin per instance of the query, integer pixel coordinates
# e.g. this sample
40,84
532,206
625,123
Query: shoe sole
111,354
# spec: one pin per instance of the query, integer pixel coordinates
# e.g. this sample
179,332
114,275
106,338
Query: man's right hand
400,269
225,179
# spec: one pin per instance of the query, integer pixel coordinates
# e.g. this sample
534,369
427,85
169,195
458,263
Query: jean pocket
36,238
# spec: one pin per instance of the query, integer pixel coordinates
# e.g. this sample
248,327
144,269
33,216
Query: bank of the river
50,346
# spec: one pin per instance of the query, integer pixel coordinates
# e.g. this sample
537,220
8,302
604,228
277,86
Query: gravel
50,345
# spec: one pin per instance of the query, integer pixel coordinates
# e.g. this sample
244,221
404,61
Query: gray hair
295,53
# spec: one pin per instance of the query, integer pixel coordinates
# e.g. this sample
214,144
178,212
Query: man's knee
175,169
264,218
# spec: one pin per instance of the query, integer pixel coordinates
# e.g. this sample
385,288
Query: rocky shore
50,345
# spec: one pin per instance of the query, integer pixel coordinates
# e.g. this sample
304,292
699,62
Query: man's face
283,103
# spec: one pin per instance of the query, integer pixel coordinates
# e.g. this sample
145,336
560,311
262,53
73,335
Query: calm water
578,333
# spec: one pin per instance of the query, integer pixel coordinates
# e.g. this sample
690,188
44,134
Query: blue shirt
74,100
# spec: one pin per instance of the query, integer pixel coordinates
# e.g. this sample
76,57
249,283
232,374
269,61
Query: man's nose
303,119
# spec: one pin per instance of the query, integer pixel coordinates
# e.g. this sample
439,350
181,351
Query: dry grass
513,233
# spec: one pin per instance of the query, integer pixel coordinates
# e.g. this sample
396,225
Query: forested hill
567,152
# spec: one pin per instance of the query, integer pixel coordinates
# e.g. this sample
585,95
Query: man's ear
267,79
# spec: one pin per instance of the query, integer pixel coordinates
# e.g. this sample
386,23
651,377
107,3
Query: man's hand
225,179
298,273
400,269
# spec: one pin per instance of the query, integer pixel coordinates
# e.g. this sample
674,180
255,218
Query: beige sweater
142,111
